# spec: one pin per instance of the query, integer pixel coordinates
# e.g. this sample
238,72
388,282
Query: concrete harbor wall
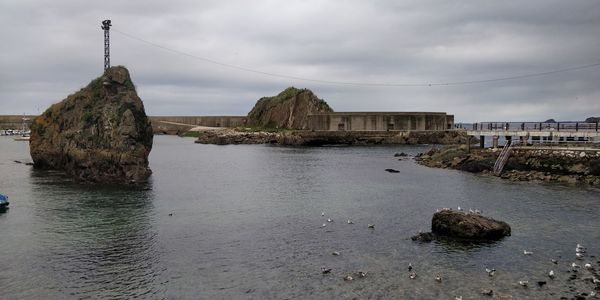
380,121
14,121
208,121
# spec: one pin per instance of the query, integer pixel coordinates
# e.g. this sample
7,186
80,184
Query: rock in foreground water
468,226
99,134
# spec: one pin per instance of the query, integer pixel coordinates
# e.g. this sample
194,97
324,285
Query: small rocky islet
98,134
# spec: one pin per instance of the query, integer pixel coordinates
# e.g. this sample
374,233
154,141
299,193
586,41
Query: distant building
380,121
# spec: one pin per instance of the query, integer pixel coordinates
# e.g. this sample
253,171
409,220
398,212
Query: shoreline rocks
320,138
99,134
562,166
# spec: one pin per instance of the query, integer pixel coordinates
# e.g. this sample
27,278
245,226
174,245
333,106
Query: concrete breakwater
566,165
316,138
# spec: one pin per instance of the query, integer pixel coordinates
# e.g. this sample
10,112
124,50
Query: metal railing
522,126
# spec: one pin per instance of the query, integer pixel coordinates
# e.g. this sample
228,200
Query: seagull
412,275
592,294
371,226
325,270
579,255
350,221
477,212
554,261
170,214
551,274
348,278
523,283
579,250
438,278
595,280
580,246
490,271
329,220
527,252
459,209
588,266
410,267
458,298
335,253
322,214
437,210
471,211
487,292
574,265
324,224
361,274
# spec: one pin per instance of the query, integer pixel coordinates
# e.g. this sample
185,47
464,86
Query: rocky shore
568,166
317,138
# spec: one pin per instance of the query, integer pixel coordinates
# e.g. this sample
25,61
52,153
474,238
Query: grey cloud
53,49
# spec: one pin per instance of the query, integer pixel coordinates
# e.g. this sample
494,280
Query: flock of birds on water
580,251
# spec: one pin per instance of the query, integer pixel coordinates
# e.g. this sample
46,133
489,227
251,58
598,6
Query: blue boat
3,203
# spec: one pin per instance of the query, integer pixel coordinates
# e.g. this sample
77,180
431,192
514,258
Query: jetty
536,133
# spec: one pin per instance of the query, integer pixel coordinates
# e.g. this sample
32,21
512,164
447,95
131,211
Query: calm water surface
246,224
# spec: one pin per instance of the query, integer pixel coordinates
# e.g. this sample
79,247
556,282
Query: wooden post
468,143
482,141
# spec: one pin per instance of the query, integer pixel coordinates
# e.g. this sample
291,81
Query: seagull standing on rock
523,283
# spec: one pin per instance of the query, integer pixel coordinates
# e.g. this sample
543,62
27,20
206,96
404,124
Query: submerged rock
468,226
288,110
99,134
423,237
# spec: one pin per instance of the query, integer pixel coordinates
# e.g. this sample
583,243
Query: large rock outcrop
288,110
99,134
468,226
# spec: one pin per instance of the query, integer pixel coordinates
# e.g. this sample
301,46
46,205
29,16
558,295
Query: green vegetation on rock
288,110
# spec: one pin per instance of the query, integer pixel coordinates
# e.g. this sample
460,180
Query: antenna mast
106,27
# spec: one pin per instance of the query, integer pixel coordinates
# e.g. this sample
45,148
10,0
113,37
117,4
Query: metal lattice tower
106,27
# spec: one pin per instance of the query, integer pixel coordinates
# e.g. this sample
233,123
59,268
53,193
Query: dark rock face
288,110
468,226
98,134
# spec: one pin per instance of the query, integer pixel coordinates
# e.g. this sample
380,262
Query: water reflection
97,241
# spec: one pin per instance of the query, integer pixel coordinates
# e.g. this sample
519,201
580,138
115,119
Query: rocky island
284,119
98,134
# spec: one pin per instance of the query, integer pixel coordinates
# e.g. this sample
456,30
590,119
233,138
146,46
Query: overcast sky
50,49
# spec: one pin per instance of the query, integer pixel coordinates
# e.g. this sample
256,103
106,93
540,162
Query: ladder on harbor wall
503,158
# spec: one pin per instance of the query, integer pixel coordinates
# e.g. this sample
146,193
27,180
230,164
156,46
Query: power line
539,74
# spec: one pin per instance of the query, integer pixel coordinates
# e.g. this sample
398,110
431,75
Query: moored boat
3,203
